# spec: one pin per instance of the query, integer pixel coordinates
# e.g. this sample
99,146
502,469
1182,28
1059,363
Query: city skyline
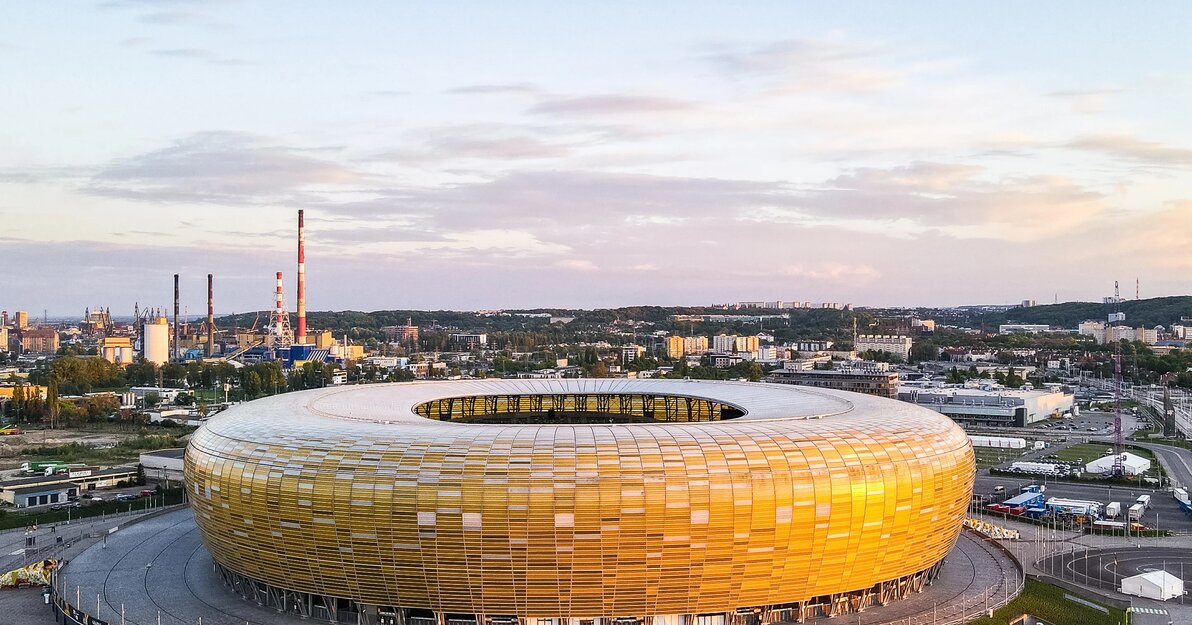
588,157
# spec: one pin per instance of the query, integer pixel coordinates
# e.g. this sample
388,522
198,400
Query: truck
1144,501
1112,510
1075,507
1038,445
1135,513
40,466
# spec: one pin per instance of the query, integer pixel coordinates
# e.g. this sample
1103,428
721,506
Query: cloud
199,54
1160,239
515,88
1086,101
135,42
609,105
577,264
384,93
954,199
807,65
854,274
1130,148
448,147
218,167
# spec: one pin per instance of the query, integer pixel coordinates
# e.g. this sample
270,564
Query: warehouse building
992,407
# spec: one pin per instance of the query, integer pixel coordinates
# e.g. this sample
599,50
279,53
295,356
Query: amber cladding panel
312,493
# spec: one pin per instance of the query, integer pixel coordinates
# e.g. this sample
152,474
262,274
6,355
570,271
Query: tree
924,351
52,401
18,402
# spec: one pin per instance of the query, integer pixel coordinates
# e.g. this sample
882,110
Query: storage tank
156,341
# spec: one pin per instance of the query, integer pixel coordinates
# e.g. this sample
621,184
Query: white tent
1159,585
1131,464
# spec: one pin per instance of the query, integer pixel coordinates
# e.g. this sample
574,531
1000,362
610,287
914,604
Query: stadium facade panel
578,500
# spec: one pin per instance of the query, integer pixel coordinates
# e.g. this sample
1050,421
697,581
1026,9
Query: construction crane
1115,317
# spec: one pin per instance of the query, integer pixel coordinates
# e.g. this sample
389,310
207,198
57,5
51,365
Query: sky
542,154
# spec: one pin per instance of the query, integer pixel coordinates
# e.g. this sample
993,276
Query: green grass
1083,452
11,518
127,450
1047,602
990,457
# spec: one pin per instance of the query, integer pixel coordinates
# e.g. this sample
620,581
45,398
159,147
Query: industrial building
163,466
39,340
627,501
39,494
868,378
991,407
82,480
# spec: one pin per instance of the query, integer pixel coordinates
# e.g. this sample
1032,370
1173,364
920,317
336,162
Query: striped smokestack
279,316
177,324
210,315
301,339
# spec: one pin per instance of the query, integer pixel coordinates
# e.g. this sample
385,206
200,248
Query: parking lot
1164,512
1089,424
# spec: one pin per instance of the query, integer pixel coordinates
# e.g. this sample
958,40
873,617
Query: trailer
1136,511
1024,501
1119,525
1144,501
1075,507
40,466
1112,510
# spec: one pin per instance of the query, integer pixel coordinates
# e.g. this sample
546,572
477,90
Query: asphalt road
1105,568
1164,512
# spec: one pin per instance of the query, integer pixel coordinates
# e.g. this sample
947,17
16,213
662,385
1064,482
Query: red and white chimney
279,316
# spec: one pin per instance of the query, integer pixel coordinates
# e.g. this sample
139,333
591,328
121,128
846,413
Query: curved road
159,566
1105,568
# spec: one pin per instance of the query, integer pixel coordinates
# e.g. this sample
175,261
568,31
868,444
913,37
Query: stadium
577,502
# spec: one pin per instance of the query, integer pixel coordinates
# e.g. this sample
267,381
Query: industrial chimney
301,338
210,315
279,315
177,326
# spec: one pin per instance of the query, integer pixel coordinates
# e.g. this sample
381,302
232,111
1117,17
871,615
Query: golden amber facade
353,493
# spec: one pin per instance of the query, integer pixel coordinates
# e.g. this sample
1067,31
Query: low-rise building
39,494
40,340
163,466
894,344
991,406
860,377
1023,328
470,342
